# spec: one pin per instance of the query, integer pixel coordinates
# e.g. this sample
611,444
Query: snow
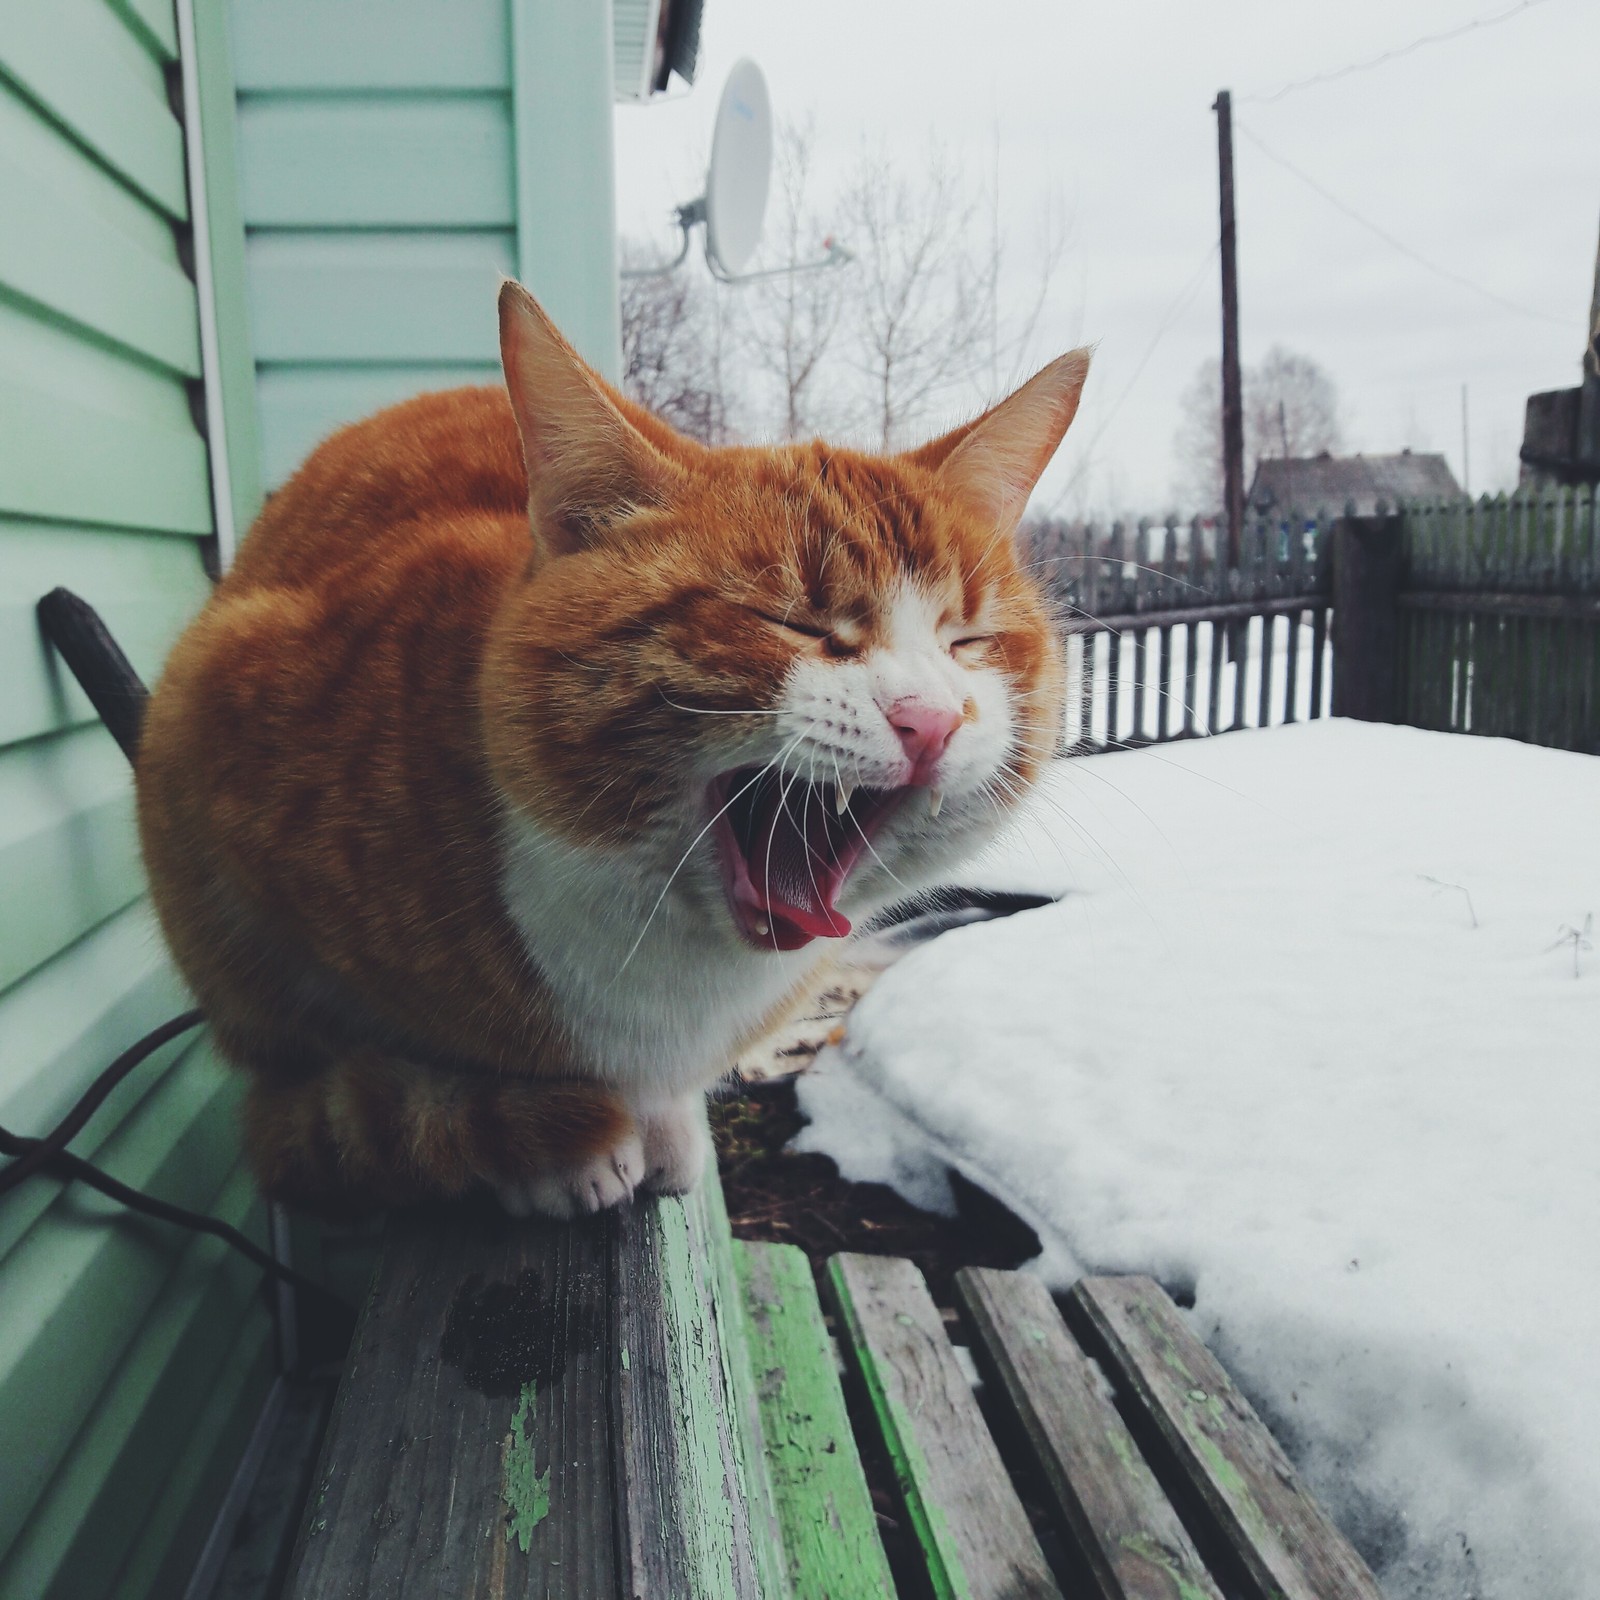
1305,1038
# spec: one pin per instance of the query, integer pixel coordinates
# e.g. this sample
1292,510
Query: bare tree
673,350
1291,408
788,324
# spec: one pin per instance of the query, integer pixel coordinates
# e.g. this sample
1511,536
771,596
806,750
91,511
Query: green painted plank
229,290
376,162
371,44
76,1286
67,1022
830,1531
154,23
90,1514
972,1532
79,265
34,143
69,850
391,297
301,406
61,459
77,60
146,588
160,1564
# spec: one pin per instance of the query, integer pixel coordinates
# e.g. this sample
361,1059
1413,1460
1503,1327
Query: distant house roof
1329,483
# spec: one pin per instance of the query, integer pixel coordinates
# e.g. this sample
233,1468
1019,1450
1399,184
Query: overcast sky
1480,153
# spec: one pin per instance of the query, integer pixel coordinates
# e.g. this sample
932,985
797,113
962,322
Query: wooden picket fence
1471,617
1166,640
1499,626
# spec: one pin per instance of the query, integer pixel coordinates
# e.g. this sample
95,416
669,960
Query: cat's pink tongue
796,874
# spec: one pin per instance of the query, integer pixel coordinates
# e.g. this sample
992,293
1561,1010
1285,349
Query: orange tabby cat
485,845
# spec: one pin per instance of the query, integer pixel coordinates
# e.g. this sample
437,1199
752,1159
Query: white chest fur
653,994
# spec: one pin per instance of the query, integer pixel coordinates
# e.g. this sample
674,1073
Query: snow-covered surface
1262,1052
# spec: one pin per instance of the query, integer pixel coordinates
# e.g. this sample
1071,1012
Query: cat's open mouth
786,848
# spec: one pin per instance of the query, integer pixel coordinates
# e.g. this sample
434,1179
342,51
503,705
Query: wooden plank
376,162
1129,1537
371,44
301,406
1541,607
971,1529
830,1531
146,476
77,60
534,1409
1285,1546
1191,640
391,297
63,256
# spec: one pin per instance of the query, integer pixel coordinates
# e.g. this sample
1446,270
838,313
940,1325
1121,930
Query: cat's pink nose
924,732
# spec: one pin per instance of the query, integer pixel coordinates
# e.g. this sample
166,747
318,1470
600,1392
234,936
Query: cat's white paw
676,1144
605,1180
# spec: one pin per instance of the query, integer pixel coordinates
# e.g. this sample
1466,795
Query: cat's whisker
761,772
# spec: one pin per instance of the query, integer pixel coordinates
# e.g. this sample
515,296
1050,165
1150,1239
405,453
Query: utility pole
1466,446
1588,441
1232,384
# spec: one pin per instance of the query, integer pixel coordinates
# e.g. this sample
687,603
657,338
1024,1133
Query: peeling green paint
525,1491
1148,1548
625,1366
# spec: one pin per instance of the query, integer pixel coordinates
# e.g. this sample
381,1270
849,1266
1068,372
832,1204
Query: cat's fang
935,800
841,797
762,929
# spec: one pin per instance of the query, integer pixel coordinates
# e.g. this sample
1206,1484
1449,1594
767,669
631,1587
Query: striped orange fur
437,795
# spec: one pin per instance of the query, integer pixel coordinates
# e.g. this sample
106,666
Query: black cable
49,1157
53,1143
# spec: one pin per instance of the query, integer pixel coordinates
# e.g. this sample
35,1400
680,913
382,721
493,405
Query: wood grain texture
1283,1543
1130,1538
536,1409
830,1531
973,1532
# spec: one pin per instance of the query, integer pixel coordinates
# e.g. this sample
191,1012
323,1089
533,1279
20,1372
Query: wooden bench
640,1407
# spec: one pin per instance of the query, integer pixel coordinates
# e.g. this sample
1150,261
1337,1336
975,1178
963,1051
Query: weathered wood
830,1530
535,1409
1123,1525
970,1527
1366,574
1233,611
1544,607
1285,1546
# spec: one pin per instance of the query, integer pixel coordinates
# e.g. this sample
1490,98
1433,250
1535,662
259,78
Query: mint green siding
397,158
132,1355
358,174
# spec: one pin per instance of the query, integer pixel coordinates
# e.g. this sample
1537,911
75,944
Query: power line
1487,21
1179,305
1398,244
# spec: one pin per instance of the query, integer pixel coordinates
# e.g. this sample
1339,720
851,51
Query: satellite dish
741,169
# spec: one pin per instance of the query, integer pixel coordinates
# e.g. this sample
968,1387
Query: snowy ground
1307,1038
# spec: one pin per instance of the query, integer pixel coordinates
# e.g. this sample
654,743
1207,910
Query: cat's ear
994,463
587,463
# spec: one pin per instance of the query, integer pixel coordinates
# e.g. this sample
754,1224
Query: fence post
1366,627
